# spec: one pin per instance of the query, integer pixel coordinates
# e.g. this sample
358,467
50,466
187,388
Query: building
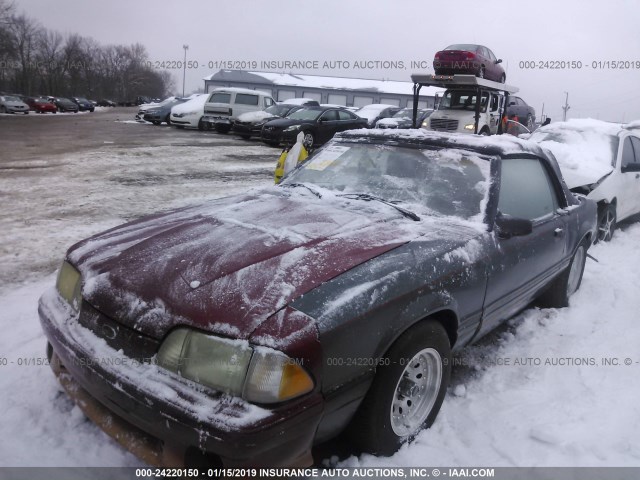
351,92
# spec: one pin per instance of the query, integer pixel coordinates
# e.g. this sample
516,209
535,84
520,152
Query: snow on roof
297,101
195,103
585,148
238,90
340,83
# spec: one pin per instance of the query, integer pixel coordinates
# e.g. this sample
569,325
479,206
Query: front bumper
164,413
217,120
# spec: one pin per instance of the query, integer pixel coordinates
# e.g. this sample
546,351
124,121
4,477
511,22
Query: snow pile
585,148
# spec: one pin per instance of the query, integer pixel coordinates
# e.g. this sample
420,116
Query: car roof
500,145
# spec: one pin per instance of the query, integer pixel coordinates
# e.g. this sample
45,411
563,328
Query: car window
636,148
268,101
246,99
526,190
627,153
220,98
330,115
342,115
490,54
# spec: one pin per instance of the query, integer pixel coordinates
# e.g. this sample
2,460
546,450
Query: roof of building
318,81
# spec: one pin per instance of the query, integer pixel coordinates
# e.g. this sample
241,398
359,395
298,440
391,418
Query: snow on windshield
585,148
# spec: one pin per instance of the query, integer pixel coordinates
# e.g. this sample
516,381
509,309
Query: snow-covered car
600,160
12,104
160,112
190,113
404,118
375,111
250,123
244,330
225,105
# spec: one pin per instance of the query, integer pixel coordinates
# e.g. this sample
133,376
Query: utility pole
566,107
184,67
542,114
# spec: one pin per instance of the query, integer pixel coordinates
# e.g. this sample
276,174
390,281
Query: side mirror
499,61
508,226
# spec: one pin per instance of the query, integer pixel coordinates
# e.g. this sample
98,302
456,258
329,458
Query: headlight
292,128
68,285
258,374
470,126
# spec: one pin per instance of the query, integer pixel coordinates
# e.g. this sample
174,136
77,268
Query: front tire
568,282
607,223
308,140
407,391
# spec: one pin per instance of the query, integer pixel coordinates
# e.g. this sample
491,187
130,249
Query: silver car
11,104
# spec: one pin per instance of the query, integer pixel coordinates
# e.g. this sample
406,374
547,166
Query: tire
568,282
485,132
606,223
308,140
168,120
156,122
203,126
393,412
481,72
223,128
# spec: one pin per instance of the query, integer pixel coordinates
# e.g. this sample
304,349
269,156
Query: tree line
38,61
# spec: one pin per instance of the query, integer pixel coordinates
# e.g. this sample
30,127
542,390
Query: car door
522,265
628,185
346,121
328,125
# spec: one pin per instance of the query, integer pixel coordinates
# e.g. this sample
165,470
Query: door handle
558,231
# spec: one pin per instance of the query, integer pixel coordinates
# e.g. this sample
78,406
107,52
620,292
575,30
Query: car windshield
443,182
467,47
11,99
306,114
462,100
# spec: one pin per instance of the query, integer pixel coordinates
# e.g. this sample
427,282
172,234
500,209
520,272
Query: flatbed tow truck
491,99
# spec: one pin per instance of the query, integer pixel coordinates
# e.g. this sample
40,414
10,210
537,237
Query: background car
375,111
251,123
318,124
190,113
41,105
282,317
161,112
65,104
467,58
105,103
600,160
404,118
521,112
12,104
225,104
84,105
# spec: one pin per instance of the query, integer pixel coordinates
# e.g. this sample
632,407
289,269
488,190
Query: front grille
444,125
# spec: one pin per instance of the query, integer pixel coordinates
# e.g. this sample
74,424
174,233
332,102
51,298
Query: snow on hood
389,121
585,148
196,103
228,265
372,111
255,116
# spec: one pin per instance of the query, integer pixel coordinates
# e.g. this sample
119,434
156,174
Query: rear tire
568,282
606,223
407,391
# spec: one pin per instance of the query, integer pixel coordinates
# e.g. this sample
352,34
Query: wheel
481,72
54,112
308,140
485,132
156,122
530,123
92,110
168,120
407,392
203,125
26,113
503,78
567,283
606,223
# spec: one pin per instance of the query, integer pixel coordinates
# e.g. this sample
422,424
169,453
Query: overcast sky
396,31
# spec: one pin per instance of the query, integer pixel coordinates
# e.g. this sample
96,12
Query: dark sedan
251,123
41,105
65,105
519,111
83,104
160,112
471,59
106,103
319,125
243,331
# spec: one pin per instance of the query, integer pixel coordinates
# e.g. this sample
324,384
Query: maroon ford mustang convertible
243,331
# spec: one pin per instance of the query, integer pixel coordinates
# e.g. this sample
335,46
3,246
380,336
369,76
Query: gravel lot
66,176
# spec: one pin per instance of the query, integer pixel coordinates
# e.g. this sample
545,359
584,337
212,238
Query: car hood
226,266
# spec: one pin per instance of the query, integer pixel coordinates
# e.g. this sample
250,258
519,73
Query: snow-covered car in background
189,113
250,123
600,160
224,105
245,330
375,111
404,119
12,104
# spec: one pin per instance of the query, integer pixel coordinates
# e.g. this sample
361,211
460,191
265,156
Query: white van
457,112
224,105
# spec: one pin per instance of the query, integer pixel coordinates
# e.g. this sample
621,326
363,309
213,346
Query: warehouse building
350,92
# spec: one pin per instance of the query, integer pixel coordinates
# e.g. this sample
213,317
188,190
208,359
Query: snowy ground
494,415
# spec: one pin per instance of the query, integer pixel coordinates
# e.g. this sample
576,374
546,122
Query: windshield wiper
368,197
317,194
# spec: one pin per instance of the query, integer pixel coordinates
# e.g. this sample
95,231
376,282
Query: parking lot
67,176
